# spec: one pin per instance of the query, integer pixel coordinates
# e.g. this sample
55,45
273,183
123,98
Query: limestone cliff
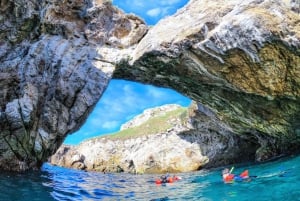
167,150
192,141
239,59
56,59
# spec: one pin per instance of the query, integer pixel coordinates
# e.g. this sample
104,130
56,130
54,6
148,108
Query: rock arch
240,62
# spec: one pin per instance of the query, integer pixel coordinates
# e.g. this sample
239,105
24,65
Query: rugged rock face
56,59
139,155
195,141
239,59
173,150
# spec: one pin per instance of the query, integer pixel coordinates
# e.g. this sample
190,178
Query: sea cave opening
122,101
140,128
159,111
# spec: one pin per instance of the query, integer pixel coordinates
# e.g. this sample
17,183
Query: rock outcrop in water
169,150
239,59
178,148
56,59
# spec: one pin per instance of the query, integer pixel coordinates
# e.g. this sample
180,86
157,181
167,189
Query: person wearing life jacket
228,177
164,179
167,179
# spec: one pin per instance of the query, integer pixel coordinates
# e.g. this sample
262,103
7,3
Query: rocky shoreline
177,149
159,153
168,151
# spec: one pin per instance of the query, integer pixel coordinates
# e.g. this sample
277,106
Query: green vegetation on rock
156,124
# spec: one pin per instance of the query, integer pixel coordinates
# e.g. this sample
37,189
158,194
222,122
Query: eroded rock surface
56,59
239,59
172,150
159,153
196,140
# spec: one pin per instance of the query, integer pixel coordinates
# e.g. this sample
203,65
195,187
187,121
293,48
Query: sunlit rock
172,150
195,140
239,59
56,59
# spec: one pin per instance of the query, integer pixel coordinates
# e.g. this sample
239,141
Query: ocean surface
277,180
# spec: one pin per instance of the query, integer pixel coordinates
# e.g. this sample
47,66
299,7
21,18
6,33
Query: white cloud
169,2
151,11
137,3
155,93
110,124
154,12
128,89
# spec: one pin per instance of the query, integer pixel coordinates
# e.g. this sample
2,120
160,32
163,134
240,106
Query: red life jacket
245,174
229,178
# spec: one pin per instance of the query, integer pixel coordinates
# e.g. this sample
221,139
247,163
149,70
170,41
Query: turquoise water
279,180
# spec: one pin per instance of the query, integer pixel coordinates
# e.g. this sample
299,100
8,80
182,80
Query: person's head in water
163,178
225,173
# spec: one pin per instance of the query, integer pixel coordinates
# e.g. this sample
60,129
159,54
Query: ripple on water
278,180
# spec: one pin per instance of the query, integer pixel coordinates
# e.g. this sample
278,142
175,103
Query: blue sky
150,10
122,99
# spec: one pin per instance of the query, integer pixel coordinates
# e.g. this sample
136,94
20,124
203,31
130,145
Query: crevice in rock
26,132
17,155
